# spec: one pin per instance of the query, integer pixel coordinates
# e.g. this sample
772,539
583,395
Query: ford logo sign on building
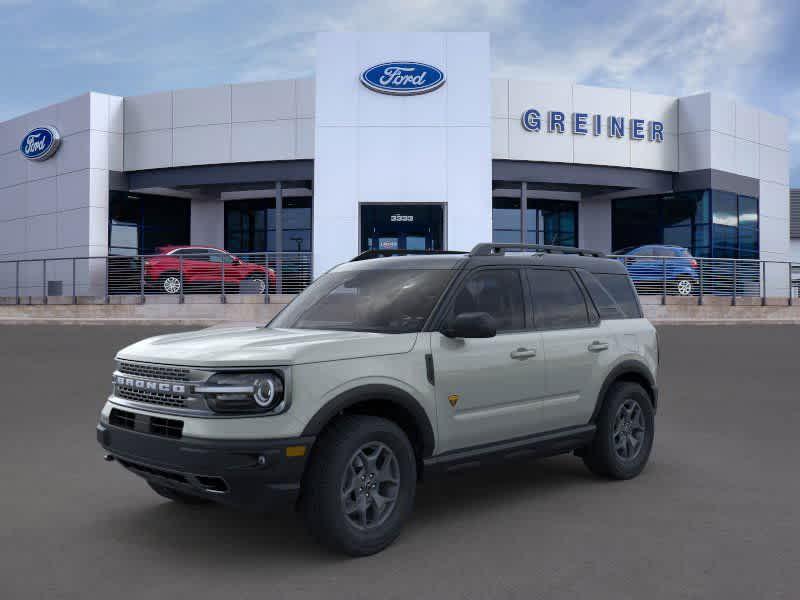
40,143
402,78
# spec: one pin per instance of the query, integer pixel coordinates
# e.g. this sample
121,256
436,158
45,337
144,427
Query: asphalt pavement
716,514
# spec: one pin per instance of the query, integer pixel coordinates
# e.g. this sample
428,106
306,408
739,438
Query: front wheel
360,486
625,432
254,286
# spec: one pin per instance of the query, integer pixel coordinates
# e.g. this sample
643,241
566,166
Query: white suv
387,367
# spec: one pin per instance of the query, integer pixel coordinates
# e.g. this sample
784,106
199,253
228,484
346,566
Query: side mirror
471,325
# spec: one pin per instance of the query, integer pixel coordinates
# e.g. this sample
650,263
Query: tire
684,286
333,487
259,285
170,283
605,456
175,495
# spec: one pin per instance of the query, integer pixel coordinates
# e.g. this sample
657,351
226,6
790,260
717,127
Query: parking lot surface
715,515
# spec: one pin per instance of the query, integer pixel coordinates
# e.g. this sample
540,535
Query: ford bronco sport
388,367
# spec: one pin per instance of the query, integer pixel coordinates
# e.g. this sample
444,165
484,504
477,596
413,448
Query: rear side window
558,302
621,290
607,306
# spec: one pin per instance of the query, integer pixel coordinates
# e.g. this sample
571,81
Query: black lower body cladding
250,474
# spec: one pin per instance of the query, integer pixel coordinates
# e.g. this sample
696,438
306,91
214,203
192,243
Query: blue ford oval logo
402,78
40,143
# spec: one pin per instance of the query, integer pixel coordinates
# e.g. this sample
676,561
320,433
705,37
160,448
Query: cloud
675,47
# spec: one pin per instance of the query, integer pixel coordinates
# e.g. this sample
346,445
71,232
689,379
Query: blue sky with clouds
748,49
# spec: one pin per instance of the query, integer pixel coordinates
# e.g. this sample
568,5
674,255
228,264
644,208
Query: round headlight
265,393
242,393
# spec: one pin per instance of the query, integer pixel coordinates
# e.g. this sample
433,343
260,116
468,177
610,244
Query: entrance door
402,227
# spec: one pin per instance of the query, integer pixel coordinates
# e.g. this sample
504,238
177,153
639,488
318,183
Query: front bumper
248,474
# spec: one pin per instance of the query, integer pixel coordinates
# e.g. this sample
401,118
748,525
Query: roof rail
495,249
370,254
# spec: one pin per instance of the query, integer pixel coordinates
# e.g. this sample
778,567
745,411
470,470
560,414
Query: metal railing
702,278
261,274
213,273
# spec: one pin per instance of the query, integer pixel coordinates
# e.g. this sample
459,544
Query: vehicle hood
259,346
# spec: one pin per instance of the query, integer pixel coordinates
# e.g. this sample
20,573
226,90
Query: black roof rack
494,249
370,254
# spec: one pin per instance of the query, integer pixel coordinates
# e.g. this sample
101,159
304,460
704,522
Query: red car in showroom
203,268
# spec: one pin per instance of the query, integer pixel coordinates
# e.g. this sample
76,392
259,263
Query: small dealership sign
402,78
582,123
40,143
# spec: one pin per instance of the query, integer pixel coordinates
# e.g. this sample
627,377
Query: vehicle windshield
379,300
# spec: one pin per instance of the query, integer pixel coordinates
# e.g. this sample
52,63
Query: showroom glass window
552,222
708,223
506,212
278,222
543,221
141,223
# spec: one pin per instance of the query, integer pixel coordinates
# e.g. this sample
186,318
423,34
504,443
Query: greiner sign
593,124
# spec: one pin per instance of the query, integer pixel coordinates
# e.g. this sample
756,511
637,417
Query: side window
606,305
215,256
621,289
558,301
494,291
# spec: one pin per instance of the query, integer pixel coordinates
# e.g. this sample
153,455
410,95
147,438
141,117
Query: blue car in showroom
649,266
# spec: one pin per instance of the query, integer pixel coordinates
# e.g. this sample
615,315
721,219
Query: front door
489,390
402,227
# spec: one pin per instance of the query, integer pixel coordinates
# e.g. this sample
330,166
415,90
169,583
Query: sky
51,50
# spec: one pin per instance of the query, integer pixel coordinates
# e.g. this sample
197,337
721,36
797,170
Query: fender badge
453,399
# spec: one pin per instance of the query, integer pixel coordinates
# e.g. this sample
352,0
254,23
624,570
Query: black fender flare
381,392
627,367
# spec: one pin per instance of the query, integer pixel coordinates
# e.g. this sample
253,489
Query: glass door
401,227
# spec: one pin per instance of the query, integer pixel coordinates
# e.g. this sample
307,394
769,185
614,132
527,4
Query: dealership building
399,140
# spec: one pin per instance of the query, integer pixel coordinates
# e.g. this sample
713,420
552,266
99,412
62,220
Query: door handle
523,353
597,346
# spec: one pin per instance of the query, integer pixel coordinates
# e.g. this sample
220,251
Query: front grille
159,398
154,371
166,427
171,428
122,418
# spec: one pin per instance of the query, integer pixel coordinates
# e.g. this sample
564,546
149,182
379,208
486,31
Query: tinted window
220,257
558,302
193,254
497,292
606,306
621,290
380,300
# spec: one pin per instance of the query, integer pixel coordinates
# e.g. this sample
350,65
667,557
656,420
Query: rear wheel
625,431
360,486
170,283
175,495
684,287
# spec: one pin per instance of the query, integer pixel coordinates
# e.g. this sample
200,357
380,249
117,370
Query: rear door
576,345
488,390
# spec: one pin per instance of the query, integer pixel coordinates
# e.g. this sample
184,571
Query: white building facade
341,162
